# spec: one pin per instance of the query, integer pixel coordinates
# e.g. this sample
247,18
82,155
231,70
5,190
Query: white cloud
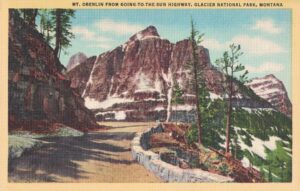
267,25
105,46
119,28
83,32
86,34
98,41
269,67
250,45
257,45
213,44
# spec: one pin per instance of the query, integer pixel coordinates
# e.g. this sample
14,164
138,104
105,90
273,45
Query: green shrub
224,169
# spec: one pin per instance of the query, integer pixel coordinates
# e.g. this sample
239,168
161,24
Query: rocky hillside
272,90
38,91
135,80
80,75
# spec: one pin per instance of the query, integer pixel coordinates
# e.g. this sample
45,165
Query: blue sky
264,35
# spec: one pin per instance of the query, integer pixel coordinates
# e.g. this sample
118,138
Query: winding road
99,156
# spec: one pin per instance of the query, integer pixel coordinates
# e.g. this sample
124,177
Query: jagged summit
150,31
272,90
75,60
139,75
271,76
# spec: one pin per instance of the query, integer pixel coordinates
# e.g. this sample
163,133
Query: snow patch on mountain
110,101
90,81
214,96
265,87
169,79
159,108
144,84
185,107
258,145
118,115
272,90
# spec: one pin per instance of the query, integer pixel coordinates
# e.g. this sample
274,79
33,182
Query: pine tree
177,96
29,16
288,173
235,140
212,121
197,70
231,66
46,26
262,173
270,178
61,19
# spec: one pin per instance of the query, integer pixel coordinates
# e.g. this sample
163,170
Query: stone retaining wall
165,171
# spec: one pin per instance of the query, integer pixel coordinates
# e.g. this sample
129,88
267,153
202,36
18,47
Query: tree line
53,24
212,114
233,71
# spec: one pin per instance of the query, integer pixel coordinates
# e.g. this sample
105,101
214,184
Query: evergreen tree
279,162
61,19
235,140
270,179
46,26
197,81
288,173
213,119
29,16
177,96
262,173
231,66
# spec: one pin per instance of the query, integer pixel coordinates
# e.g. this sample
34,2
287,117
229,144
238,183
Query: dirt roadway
102,156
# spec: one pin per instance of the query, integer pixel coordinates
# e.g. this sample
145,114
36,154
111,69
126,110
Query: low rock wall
167,172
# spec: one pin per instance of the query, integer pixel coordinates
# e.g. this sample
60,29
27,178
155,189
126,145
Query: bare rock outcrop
38,89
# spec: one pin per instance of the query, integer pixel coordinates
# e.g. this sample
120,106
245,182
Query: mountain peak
149,31
75,60
271,76
271,89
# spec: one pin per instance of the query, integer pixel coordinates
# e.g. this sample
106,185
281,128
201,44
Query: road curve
101,156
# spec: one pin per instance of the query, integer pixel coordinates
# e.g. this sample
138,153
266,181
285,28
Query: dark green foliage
279,161
54,24
213,120
223,169
46,25
177,97
196,69
263,125
270,179
177,93
230,65
192,134
61,20
262,173
29,16
274,123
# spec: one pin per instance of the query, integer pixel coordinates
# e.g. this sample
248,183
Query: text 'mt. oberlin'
176,4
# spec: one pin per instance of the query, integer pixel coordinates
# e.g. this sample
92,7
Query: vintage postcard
174,95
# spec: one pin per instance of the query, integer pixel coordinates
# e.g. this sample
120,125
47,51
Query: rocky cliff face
272,90
80,75
38,91
135,80
75,60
